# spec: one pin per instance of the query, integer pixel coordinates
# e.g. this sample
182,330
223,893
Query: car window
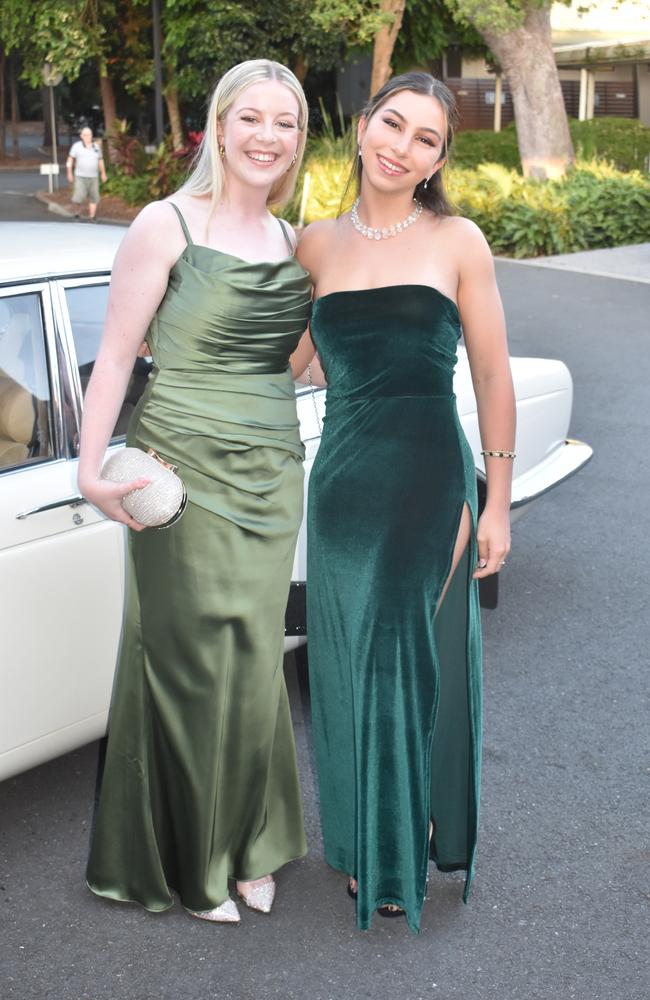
87,310
25,405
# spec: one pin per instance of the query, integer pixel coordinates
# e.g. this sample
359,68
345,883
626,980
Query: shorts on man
85,188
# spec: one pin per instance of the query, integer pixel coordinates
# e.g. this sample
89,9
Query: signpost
51,169
52,79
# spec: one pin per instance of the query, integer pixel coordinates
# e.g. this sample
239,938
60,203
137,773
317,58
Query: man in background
86,160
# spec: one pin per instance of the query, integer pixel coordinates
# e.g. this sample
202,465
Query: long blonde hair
208,175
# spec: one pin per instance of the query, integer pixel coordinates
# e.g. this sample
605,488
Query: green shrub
132,190
624,142
593,206
138,178
329,158
474,147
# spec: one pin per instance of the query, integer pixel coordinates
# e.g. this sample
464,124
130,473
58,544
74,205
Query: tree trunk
385,43
2,103
47,117
108,107
15,109
175,117
526,57
300,68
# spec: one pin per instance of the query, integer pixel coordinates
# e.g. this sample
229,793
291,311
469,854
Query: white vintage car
61,562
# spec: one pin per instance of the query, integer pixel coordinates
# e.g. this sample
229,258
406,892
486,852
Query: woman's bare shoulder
156,229
457,227
315,242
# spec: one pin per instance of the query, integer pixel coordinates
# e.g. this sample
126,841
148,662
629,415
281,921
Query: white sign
49,168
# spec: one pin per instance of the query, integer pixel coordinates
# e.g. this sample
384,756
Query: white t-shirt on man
86,158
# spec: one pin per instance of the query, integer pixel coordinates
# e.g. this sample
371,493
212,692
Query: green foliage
46,31
127,153
473,147
428,28
498,16
593,206
329,158
623,142
357,21
132,190
202,40
138,178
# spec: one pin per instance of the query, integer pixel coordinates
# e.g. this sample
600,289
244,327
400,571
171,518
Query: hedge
623,142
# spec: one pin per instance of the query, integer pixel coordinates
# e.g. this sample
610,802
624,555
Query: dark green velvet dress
200,782
395,686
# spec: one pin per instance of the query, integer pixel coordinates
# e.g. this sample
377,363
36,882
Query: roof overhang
606,53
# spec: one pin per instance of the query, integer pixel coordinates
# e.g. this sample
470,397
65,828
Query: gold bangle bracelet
498,454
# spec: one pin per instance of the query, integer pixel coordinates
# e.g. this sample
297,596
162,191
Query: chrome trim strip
57,403
10,283
72,380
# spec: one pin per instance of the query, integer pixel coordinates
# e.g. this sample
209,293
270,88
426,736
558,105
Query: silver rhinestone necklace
383,234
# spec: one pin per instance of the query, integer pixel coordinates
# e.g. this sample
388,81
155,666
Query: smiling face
403,142
260,134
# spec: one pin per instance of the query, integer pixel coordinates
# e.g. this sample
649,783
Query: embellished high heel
258,897
225,913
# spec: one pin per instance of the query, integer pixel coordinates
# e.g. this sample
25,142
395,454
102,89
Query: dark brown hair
433,196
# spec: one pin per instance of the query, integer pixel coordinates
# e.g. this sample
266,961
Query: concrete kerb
52,205
626,263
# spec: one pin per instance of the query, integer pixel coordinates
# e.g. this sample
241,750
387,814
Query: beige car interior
24,414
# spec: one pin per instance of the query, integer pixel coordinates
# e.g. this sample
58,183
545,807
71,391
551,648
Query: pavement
560,904
630,263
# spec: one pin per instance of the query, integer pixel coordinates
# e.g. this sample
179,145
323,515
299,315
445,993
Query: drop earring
222,152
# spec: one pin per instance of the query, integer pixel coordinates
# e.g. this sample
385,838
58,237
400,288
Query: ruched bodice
394,667
388,341
221,342
224,314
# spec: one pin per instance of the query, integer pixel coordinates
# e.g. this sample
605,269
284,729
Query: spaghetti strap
292,249
183,223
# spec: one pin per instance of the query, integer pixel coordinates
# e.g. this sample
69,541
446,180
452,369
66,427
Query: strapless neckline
384,288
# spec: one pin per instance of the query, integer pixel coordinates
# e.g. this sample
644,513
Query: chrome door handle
74,501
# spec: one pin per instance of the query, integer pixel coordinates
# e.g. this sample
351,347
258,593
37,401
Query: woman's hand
107,497
493,538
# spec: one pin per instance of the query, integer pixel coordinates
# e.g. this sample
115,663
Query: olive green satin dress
200,782
395,686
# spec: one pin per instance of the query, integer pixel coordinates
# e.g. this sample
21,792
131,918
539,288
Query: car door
53,682
61,562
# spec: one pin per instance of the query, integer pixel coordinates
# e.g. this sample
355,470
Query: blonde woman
200,782
395,543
